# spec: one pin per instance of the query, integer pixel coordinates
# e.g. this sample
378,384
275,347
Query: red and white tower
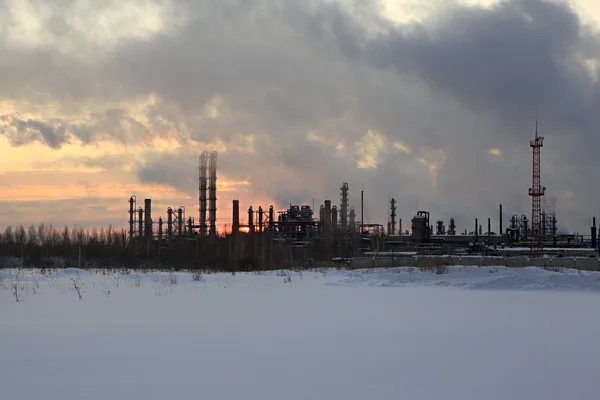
536,192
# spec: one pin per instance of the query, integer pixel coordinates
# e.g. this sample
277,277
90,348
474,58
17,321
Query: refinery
337,233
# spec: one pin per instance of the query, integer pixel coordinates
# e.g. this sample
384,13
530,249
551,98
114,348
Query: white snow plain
473,333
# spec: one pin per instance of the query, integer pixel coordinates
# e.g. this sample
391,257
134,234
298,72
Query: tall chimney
148,218
203,189
501,232
212,189
236,216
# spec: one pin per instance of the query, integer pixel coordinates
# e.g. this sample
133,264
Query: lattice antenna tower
536,191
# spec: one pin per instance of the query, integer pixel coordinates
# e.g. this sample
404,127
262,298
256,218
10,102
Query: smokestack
203,189
236,216
260,219
271,218
476,229
501,232
489,227
148,218
594,234
160,231
327,216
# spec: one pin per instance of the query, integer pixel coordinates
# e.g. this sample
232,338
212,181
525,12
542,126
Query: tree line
77,246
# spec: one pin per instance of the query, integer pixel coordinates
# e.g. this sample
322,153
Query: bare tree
17,287
78,285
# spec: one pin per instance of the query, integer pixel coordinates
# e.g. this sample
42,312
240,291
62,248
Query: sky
431,102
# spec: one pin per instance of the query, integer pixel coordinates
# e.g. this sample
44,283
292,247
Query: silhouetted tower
250,219
236,216
392,217
536,192
343,212
203,188
132,206
212,192
452,227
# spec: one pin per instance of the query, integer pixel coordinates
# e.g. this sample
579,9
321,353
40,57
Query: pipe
501,232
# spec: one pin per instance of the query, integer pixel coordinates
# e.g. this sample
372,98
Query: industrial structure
299,235
536,192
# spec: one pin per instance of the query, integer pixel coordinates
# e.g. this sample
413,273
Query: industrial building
296,237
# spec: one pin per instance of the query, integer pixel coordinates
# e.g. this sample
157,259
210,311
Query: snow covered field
474,333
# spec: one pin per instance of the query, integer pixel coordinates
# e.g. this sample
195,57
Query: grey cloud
462,82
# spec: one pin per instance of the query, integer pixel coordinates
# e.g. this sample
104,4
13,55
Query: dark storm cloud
503,61
451,88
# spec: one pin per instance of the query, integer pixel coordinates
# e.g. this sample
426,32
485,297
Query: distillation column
212,193
203,188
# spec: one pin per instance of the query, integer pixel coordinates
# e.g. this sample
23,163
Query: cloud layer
299,96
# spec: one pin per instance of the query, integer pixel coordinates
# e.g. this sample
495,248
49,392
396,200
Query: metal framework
203,189
212,193
536,192
343,212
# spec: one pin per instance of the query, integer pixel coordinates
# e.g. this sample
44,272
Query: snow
473,333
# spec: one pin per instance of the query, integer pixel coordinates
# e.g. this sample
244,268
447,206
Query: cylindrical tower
169,223
271,218
140,222
212,192
250,219
148,218
334,217
203,188
236,216
344,206
180,221
131,217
